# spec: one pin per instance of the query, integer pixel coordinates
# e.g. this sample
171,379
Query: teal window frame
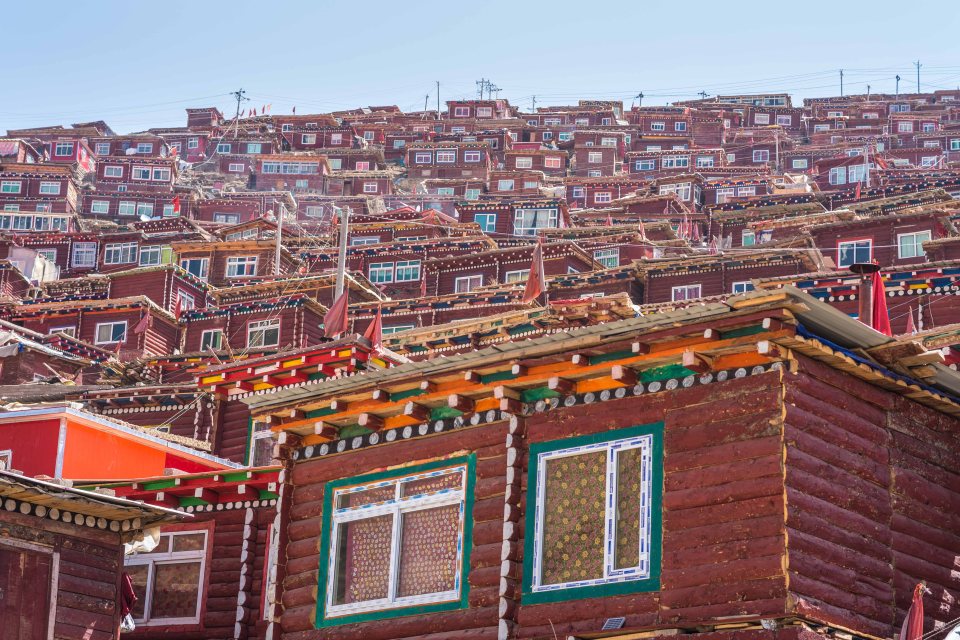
650,583
330,488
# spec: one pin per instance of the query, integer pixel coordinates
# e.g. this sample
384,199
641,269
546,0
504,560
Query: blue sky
139,64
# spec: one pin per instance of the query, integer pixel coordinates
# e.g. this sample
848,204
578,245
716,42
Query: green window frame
382,481
643,574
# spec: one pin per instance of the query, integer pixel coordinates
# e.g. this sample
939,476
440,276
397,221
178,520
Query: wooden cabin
61,558
754,463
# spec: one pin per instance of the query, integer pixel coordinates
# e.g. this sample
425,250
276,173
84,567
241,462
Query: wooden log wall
88,580
723,532
305,512
873,502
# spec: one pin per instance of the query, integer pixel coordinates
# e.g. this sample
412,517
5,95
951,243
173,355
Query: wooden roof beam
207,495
417,411
696,361
370,421
461,402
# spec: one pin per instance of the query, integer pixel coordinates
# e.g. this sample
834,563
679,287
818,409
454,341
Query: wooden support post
562,385
511,405
472,376
297,414
380,395
207,495
500,392
428,386
518,369
461,403
640,348
624,375
338,405
416,411
325,430
370,421
580,359
773,324
767,348
697,361
711,334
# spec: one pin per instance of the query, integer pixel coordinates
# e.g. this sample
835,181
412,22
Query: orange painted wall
93,454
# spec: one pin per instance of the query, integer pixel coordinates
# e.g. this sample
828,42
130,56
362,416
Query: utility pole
868,93
240,95
481,83
898,87
276,260
841,83
426,100
533,107
639,97
703,94
438,99
342,255
918,65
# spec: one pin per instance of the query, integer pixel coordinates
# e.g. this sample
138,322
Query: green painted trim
328,489
441,413
743,331
613,355
319,413
352,430
188,501
409,393
656,535
665,373
159,484
246,448
538,393
497,376
236,476
268,495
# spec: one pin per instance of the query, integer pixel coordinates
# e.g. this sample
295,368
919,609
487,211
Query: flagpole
342,258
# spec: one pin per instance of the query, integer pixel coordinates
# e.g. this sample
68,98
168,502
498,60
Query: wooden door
24,593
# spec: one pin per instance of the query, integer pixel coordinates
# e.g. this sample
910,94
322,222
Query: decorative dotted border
79,519
227,506
540,406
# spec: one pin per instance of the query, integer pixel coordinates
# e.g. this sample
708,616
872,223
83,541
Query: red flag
881,318
178,307
269,106
176,205
912,628
911,328
856,192
146,321
713,246
294,109
609,220
335,320
174,151
374,332
537,280
253,113
119,346
643,232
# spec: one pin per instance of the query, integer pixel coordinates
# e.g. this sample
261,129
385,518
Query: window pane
189,542
363,560
428,550
162,547
627,549
432,484
175,588
138,573
574,516
368,496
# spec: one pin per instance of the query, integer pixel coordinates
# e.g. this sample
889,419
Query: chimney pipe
865,296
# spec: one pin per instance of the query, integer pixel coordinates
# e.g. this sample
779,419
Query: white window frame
742,286
519,275
609,257
239,266
506,185
785,120
236,167
472,156
396,508
853,244
112,171
552,162
380,272
83,254
600,197
446,156
172,557
611,575
144,147
371,187
524,162
7,186
262,327
308,138
916,240
407,271
761,118
102,148
595,157
422,157
50,188
761,155
487,221
465,284
63,149
100,206
684,292
204,270
120,253
207,339
112,339
799,163
658,126
146,255
141,173
127,208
